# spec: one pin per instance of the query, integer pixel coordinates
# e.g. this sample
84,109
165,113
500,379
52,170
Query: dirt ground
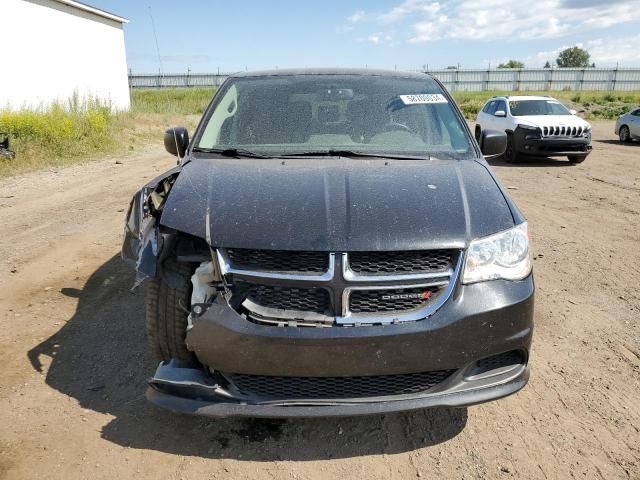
73,358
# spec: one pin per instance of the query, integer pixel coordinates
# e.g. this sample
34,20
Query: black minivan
331,242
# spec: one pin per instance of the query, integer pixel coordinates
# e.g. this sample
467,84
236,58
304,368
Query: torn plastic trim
204,281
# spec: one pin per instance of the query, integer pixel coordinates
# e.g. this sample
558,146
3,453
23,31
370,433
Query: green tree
512,64
573,57
547,65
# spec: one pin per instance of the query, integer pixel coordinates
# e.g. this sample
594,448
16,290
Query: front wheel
624,134
576,158
510,152
167,312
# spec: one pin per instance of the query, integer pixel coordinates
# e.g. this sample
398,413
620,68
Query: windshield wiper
231,152
354,154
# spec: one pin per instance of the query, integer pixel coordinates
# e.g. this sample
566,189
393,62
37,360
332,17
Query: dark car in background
332,242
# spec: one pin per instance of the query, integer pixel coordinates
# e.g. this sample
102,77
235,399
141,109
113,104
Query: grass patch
57,135
180,101
77,131
592,105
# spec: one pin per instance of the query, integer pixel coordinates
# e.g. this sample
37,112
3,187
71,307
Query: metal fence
458,80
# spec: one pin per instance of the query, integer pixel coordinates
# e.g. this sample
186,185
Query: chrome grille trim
226,268
352,276
349,318
268,312
564,131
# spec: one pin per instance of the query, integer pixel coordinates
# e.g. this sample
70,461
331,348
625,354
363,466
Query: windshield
289,115
521,108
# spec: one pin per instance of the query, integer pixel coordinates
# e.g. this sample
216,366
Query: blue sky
206,35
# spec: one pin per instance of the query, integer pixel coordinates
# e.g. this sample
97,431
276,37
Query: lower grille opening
396,300
300,388
493,363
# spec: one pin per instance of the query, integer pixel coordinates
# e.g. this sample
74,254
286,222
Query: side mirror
176,141
500,113
572,112
493,143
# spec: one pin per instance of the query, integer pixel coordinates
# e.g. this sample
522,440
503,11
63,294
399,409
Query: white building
53,49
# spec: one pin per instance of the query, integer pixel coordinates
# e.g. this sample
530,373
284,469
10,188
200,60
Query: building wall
49,51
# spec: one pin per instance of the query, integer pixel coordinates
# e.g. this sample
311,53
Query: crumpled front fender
142,241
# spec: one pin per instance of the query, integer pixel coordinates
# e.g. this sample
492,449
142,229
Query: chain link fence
456,80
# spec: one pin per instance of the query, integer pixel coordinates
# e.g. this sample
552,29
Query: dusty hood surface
336,204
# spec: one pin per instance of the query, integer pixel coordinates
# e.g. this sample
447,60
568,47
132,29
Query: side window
500,105
636,113
219,126
490,107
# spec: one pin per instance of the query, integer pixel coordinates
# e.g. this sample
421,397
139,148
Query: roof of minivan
333,71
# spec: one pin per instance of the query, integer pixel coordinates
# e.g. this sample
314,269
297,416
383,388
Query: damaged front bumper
480,338
187,390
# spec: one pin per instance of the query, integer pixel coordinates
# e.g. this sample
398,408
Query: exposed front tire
167,311
510,155
577,158
624,134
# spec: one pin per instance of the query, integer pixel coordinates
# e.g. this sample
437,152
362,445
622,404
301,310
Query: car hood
553,121
336,204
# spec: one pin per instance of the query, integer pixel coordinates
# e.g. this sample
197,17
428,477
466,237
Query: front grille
558,131
396,300
278,260
321,289
391,263
269,387
314,300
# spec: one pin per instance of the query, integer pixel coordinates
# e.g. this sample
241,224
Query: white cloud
409,7
494,19
604,53
379,38
357,16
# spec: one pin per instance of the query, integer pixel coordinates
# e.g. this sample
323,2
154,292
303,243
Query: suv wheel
576,158
510,153
167,312
624,134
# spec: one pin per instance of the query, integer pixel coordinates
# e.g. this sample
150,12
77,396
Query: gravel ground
73,357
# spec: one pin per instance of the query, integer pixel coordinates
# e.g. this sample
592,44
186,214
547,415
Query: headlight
531,132
587,131
503,255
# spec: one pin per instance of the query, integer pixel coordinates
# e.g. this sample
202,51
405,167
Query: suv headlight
502,255
530,131
587,131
